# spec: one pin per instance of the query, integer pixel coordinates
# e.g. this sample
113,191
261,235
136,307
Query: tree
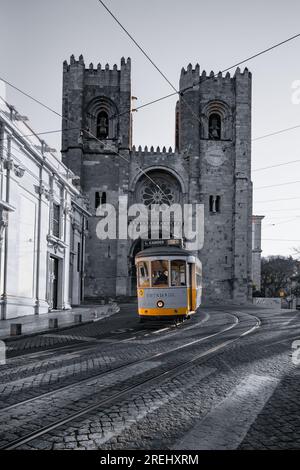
297,252
276,273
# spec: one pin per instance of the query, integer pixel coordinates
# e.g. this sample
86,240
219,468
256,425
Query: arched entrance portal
159,187
135,248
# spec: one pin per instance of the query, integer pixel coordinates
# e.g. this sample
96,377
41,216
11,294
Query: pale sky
37,35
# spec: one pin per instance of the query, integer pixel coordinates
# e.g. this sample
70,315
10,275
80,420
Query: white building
43,223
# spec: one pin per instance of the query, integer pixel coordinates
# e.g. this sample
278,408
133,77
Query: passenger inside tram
160,273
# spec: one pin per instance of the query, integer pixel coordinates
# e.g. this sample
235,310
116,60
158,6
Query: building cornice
32,152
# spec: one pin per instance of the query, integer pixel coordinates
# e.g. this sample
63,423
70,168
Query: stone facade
256,251
211,164
42,223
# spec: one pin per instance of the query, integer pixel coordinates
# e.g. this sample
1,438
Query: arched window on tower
102,125
214,127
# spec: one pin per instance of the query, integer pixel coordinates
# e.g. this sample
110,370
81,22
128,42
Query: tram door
191,285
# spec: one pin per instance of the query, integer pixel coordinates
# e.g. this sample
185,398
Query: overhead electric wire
279,240
35,134
223,71
282,222
124,158
261,137
159,99
264,51
181,92
278,184
149,59
285,210
170,94
277,200
280,131
276,165
92,135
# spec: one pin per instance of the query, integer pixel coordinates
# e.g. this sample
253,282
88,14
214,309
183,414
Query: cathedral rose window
151,194
160,191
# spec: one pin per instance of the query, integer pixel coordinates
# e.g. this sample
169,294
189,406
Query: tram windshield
178,273
143,274
160,273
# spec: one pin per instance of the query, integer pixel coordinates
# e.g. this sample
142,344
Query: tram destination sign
162,242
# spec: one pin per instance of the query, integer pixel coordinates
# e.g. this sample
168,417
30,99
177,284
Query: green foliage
276,273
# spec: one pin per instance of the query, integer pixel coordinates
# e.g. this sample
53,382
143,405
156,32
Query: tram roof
163,251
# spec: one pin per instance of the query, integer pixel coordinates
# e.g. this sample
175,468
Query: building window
214,127
214,204
78,257
218,200
100,198
102,125
56,220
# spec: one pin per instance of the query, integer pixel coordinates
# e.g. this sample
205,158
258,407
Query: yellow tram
169,283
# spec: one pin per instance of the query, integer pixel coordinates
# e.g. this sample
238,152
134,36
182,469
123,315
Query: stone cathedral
210,164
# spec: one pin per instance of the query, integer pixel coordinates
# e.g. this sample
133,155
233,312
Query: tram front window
178,276
160,273
143,274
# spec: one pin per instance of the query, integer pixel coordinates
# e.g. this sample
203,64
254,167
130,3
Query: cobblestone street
226,379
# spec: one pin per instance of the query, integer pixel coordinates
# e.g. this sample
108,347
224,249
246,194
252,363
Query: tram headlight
160,304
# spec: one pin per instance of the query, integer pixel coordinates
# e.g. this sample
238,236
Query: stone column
66,261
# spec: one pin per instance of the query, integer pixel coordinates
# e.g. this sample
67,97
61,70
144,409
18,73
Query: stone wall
202,166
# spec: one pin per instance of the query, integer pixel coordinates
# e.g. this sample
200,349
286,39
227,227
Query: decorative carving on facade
56,243
3,223
67,208
43,191
9,164
5,208
19,171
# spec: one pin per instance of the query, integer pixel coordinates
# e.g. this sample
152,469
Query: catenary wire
91,135
264,51
278,184
276,165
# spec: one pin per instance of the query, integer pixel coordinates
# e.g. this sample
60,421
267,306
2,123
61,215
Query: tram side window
143,274
160,273
178,273
198,276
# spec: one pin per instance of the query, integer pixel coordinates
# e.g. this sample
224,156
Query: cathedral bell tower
213,129
96,142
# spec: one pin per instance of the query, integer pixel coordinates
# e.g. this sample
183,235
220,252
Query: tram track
77,342
71,349
162,375
111,371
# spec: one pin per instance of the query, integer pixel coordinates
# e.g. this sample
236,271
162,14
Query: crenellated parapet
125,65
191,77
104,75
152,151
